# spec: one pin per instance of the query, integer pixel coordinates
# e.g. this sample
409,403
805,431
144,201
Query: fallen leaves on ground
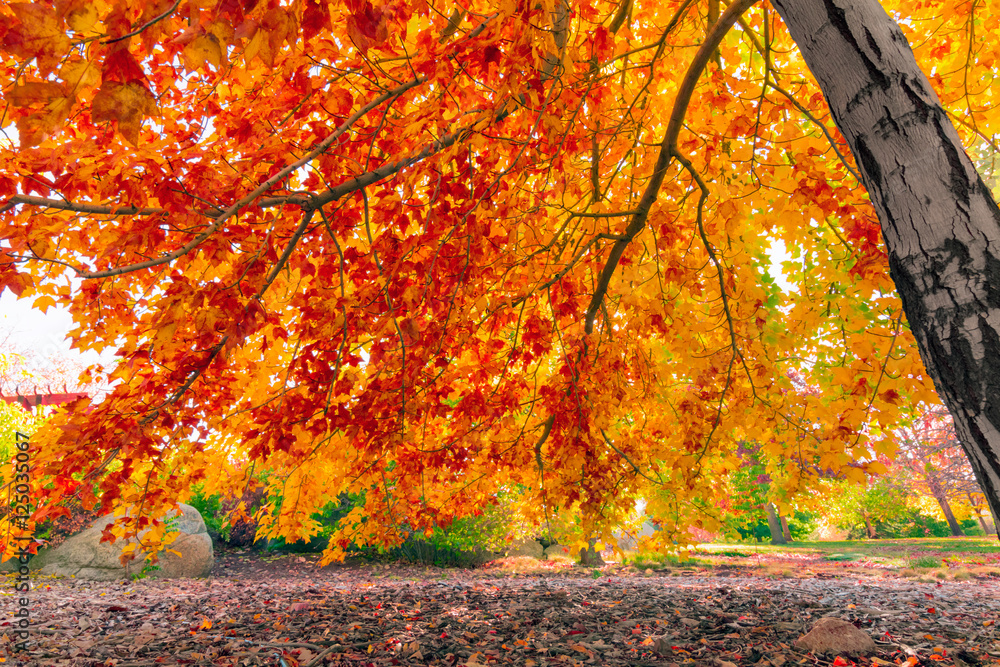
287,612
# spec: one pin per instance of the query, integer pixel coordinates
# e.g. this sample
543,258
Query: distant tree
930,460
870,510
750,508
25,371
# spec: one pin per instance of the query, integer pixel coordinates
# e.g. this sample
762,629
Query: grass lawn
931,557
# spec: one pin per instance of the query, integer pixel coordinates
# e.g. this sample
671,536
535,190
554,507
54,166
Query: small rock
832,635
788,627
556,550
527,547
690,622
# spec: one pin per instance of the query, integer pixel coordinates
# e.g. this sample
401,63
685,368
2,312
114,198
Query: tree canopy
427,252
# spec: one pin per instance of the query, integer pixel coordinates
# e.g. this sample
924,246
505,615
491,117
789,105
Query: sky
27,328
40,336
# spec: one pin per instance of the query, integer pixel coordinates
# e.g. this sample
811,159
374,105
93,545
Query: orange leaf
39,35
127,104
34,93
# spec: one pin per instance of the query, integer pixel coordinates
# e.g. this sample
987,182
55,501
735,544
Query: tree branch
147,24
667,149
64,205
259,190
798,105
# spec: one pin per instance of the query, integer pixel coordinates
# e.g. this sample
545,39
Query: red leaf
122,67
366,26
315,18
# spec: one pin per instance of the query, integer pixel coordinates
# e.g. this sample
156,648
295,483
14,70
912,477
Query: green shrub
468,542
208,507
971,527
429,551
328,517
909,522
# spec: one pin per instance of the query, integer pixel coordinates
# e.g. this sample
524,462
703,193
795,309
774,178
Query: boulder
84,555
832,635
557,550
528,547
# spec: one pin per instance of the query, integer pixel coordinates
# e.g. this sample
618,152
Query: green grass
659,561
926,561
908,554
843,557
902,548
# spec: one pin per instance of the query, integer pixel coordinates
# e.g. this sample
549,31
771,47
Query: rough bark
940,223
774,523
591,557
942,499
784,529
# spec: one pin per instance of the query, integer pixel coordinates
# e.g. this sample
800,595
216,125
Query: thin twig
146,25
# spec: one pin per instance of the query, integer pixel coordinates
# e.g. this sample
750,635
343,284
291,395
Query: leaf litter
287,612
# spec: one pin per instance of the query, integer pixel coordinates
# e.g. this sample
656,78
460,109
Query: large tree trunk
774,523
940,223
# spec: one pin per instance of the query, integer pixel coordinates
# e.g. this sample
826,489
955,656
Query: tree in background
17,371
420,252
25,371
749,508
930,460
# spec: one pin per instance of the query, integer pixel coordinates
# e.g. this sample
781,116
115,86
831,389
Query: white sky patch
778,255
45,334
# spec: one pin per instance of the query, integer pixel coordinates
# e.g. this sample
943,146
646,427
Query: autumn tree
930,461
425,251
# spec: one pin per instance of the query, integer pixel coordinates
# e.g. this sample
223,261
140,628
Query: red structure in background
29,401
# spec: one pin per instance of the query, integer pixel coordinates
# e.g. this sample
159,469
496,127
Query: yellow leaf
83,18
43,303
253,47
79,74
203,49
